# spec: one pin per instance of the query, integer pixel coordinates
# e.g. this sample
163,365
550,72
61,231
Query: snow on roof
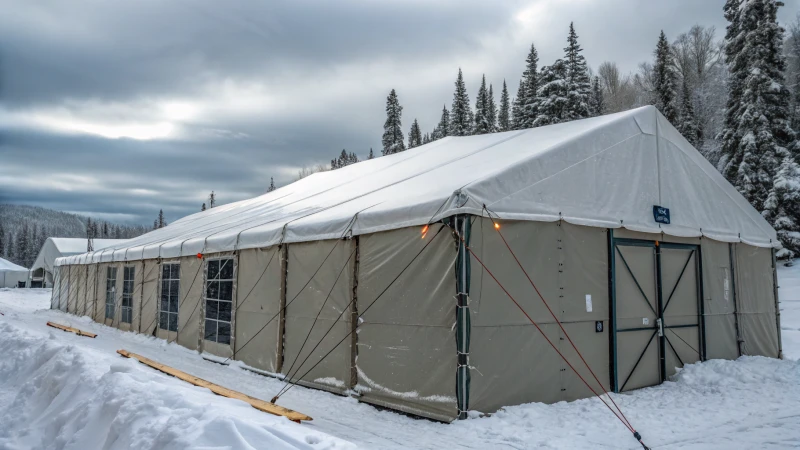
74,246
8,266
608,171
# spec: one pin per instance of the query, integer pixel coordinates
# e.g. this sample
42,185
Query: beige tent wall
258,302
63,289
100,293
406,357
567,263
80,290
148,316
718,302
224,350
756,298
72,299
91,286
55,294
190,314
305,299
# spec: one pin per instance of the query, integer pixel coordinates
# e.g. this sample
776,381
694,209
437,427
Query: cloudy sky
119,109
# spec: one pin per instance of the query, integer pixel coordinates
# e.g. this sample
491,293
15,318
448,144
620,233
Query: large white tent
388,280
11,275
42,269
607,172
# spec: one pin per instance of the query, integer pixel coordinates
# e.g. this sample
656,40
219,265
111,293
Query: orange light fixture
496,226
199,256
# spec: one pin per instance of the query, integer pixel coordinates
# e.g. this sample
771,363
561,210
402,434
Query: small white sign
645,321
588,303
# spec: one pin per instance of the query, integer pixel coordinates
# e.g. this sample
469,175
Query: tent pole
284,249
777,304
612,312
735,301
354,317
462,316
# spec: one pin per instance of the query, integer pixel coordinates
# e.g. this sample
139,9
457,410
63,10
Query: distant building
42,269
12,275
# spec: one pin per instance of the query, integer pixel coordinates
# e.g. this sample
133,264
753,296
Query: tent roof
54,248
607,171
8,266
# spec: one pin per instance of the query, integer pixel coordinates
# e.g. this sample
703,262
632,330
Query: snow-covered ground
59,390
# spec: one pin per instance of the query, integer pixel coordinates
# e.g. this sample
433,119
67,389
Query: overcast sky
118,109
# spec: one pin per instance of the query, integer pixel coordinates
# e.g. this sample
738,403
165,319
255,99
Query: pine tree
578,84
492,111
426,138
105,228
460,114
203,207
664,80
271,186
212,200
518,108
371,155
443,127
552,101
504,115
415,135
2,241
596,106
758,146
530,85
161,222
482,125
23,244
687,124
392,131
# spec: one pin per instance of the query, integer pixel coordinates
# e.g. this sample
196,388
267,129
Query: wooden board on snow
258,404
71,330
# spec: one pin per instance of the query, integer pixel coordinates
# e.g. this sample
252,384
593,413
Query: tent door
657,312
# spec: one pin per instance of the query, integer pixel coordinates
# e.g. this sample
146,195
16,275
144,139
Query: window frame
111,290
217,306
126,301
164,315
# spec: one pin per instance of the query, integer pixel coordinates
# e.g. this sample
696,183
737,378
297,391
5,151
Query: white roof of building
606,171
8,266
54,248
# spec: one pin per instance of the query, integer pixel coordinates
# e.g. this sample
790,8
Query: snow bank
65,396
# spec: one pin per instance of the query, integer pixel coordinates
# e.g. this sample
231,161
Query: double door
657,307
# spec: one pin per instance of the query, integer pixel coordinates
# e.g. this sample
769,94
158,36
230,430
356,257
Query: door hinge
660,326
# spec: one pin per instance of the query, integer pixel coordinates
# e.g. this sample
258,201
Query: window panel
175,271
173,304
226,290
212,309
225,311
165,271
174,287
212,290
211,330
162,320
173,322
226,269
224,333
213,270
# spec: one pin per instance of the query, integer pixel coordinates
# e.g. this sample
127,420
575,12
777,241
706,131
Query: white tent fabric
54,248
11,274
606,171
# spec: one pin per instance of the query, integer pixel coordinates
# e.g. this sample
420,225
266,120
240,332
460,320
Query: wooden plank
258,404
71,330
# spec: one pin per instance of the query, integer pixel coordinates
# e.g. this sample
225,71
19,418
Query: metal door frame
613,243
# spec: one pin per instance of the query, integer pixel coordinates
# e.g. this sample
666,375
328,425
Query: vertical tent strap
463,324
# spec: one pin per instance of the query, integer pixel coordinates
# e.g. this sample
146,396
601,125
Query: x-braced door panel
636,315
681,310
657,311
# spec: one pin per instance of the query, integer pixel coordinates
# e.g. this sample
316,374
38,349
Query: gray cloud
229,94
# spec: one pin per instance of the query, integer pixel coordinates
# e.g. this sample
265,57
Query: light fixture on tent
199,256
496,226
424,231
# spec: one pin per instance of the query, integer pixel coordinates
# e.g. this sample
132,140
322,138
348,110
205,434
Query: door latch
660,326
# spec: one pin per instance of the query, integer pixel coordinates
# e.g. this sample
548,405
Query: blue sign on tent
661,214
